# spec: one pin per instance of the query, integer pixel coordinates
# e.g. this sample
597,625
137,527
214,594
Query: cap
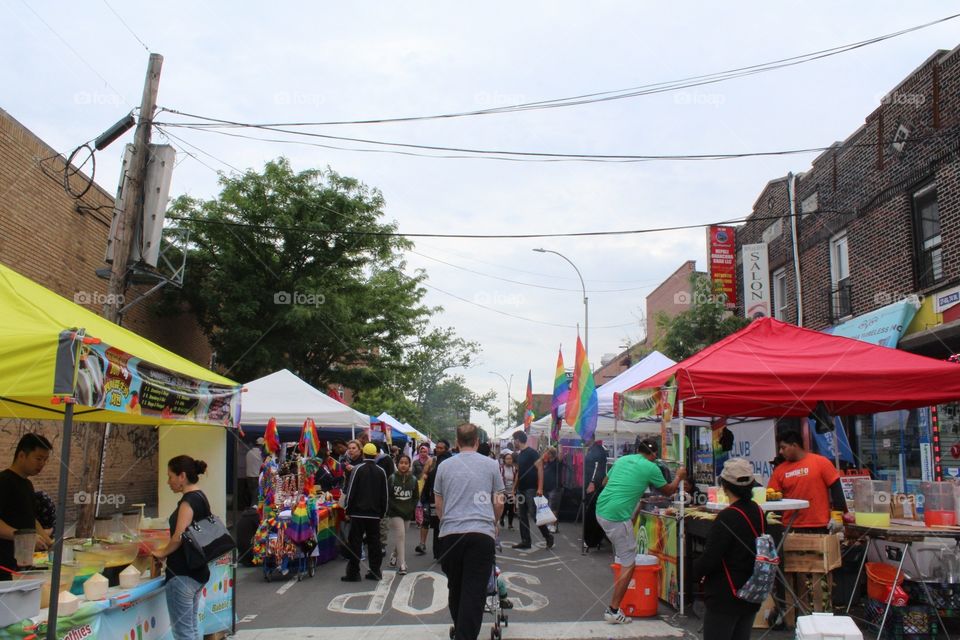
369,449
260,441
738,471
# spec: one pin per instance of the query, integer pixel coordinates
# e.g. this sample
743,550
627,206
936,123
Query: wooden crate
808,593
806,553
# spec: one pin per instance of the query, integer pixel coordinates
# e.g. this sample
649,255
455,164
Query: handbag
545,515
206,539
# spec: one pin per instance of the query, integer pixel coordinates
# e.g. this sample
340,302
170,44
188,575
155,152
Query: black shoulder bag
206,539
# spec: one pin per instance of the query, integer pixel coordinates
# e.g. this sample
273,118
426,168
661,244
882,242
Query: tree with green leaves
299,270
705,322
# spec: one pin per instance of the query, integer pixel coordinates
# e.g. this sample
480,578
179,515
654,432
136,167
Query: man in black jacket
366,505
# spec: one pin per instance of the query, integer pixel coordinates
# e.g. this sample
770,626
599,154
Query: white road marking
537,600
249,618
378,598
403,598
282,590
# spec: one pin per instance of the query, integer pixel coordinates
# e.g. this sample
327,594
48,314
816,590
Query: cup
24,543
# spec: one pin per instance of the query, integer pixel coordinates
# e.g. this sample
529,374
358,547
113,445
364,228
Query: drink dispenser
939,504
871,500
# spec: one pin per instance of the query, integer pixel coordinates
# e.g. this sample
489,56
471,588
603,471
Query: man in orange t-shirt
807,476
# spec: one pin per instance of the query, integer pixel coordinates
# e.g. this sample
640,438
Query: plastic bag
900,597
544,515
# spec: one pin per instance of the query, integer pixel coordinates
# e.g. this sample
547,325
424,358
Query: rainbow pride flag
581,411
309,439
271,438
561,390
528,414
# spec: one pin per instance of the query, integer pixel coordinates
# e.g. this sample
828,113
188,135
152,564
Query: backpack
760,583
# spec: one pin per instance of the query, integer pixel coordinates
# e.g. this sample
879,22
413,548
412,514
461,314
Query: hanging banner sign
647,403
756,281
722,262
113,380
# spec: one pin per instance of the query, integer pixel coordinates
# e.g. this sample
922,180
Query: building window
780,294
927,225
839,278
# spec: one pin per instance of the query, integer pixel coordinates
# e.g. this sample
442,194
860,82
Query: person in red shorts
807,476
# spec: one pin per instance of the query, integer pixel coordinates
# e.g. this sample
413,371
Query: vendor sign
111,379
722,250
756,281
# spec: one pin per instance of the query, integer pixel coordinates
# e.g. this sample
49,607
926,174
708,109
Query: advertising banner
722,262
111,379
756,281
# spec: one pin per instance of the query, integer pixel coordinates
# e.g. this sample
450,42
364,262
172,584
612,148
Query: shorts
623,539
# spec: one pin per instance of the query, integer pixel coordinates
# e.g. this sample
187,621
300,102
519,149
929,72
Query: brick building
877,220
59,242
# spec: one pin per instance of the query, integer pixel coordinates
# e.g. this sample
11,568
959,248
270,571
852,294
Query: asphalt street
557,593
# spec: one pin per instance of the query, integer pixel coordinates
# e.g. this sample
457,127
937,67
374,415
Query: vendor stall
774,369
59,361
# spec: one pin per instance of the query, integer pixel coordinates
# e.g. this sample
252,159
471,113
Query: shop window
928,239
780,294
891,444
840,306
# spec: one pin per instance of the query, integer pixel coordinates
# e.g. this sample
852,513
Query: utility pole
128,210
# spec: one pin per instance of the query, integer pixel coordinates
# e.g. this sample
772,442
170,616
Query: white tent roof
290,400
507,436
402,427
415,432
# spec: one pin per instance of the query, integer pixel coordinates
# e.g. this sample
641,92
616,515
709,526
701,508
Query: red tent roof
772,369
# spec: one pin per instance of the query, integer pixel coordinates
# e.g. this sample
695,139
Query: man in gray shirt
469,498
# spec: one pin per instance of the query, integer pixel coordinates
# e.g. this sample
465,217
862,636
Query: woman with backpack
728,561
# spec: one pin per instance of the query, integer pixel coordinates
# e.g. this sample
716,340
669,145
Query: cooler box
641,598
19,600
826,626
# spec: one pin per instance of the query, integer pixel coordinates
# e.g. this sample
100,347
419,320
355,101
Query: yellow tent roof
31,320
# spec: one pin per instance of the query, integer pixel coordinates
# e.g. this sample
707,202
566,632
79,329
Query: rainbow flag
581,412
528,414
309,439
561,390
271,438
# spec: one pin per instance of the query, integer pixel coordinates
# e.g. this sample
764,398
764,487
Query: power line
124,23
629,92
528,156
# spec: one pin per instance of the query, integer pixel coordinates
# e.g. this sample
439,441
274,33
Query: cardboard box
903,507
767,610
809,553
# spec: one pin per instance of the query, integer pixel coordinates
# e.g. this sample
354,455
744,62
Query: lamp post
586,316
509,384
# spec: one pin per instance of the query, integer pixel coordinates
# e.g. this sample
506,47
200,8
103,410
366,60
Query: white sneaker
616,618
393,559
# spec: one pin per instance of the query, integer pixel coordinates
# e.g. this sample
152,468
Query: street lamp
506,420
586,323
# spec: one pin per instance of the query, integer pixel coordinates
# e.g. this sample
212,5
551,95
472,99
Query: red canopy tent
774,369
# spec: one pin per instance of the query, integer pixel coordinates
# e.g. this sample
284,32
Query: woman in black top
727,562
183,584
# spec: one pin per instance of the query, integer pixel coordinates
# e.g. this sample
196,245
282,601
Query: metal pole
681,542
586,314
58,526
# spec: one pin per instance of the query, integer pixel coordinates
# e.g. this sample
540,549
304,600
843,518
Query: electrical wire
124,23
629,92
530,156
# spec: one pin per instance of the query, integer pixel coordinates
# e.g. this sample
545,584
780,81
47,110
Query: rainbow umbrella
300,530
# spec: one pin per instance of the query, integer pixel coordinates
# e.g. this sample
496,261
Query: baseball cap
738,471
369,449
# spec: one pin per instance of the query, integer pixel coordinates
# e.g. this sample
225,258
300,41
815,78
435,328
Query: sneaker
393,559
402,572
372,576
523,545
420,550
350,578
550,542
616,617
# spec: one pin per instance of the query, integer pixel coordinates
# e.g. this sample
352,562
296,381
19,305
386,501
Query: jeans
528,509
364,529
468,564
183,603
721,625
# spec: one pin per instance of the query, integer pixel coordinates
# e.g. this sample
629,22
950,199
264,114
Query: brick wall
48,236
864,187
672,296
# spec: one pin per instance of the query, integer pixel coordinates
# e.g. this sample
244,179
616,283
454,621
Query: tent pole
681,541
61,517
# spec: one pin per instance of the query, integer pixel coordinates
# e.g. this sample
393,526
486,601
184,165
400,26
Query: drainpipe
791,195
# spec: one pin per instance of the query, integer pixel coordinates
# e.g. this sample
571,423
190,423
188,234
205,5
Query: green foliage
292,270
705,322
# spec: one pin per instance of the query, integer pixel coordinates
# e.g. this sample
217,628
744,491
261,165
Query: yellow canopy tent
61,361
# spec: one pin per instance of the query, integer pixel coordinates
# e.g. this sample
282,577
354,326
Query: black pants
509,511
721,625
468,564
364,529
528,510
435,525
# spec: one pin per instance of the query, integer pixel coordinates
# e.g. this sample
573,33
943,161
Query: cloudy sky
72,69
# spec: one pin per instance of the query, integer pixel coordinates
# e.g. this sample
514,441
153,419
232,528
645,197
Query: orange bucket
641,598
880,579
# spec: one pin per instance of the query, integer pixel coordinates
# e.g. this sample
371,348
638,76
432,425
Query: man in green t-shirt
617,509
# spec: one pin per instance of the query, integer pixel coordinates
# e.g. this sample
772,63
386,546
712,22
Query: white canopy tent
284,396
607,426
415,433
505,437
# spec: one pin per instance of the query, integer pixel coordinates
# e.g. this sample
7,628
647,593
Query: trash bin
640,600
